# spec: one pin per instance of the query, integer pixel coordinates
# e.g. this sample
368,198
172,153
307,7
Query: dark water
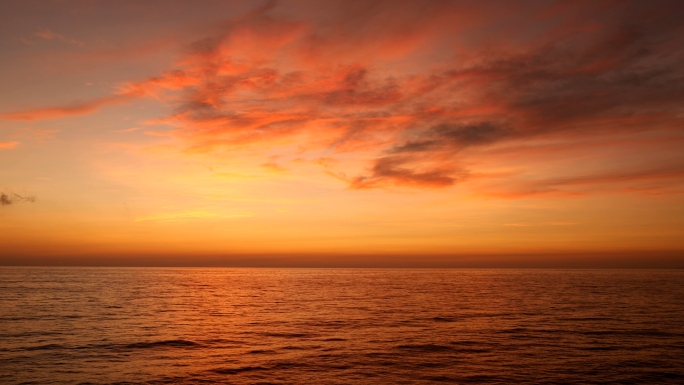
367,326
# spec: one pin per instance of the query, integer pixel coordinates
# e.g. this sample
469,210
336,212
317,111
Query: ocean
340,326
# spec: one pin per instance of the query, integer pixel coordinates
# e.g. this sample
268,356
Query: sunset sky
326,133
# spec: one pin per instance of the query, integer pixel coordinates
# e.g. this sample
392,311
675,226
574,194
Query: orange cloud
8,145
127,130
70,110
415,89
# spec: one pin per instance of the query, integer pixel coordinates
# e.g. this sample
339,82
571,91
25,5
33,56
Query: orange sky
389,133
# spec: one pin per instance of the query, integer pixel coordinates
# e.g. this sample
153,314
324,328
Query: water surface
369,326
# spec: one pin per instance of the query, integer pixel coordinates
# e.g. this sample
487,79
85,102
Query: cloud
188,215
8,145
49,35
10,198
37,134
415,89
127,130
153,87
274,167
75,109
654,181
400,171
611,80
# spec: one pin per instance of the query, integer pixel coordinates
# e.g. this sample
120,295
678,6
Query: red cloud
413,86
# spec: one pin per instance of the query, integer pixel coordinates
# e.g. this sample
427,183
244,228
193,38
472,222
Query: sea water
339,326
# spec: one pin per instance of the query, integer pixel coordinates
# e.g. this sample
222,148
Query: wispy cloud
47,34
9,198
75,109
655,181
274,167
188,215
8,145
127,130
36,134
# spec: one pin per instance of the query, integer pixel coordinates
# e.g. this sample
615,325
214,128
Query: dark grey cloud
398,170
10,198
623,76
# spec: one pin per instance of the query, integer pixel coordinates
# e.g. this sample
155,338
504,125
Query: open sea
340,326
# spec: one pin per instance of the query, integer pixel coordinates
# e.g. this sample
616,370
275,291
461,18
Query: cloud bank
416,88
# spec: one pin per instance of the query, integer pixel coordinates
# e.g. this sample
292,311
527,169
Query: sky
342,133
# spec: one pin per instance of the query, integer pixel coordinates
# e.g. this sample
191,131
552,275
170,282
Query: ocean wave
162,344
429,348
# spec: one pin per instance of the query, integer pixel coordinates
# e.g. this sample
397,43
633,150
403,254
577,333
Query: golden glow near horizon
340,128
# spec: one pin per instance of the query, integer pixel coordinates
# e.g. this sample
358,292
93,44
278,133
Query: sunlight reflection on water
217,325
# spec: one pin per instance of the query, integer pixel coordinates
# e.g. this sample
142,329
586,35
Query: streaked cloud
75,109
47,34
8,145
127,130
188,215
